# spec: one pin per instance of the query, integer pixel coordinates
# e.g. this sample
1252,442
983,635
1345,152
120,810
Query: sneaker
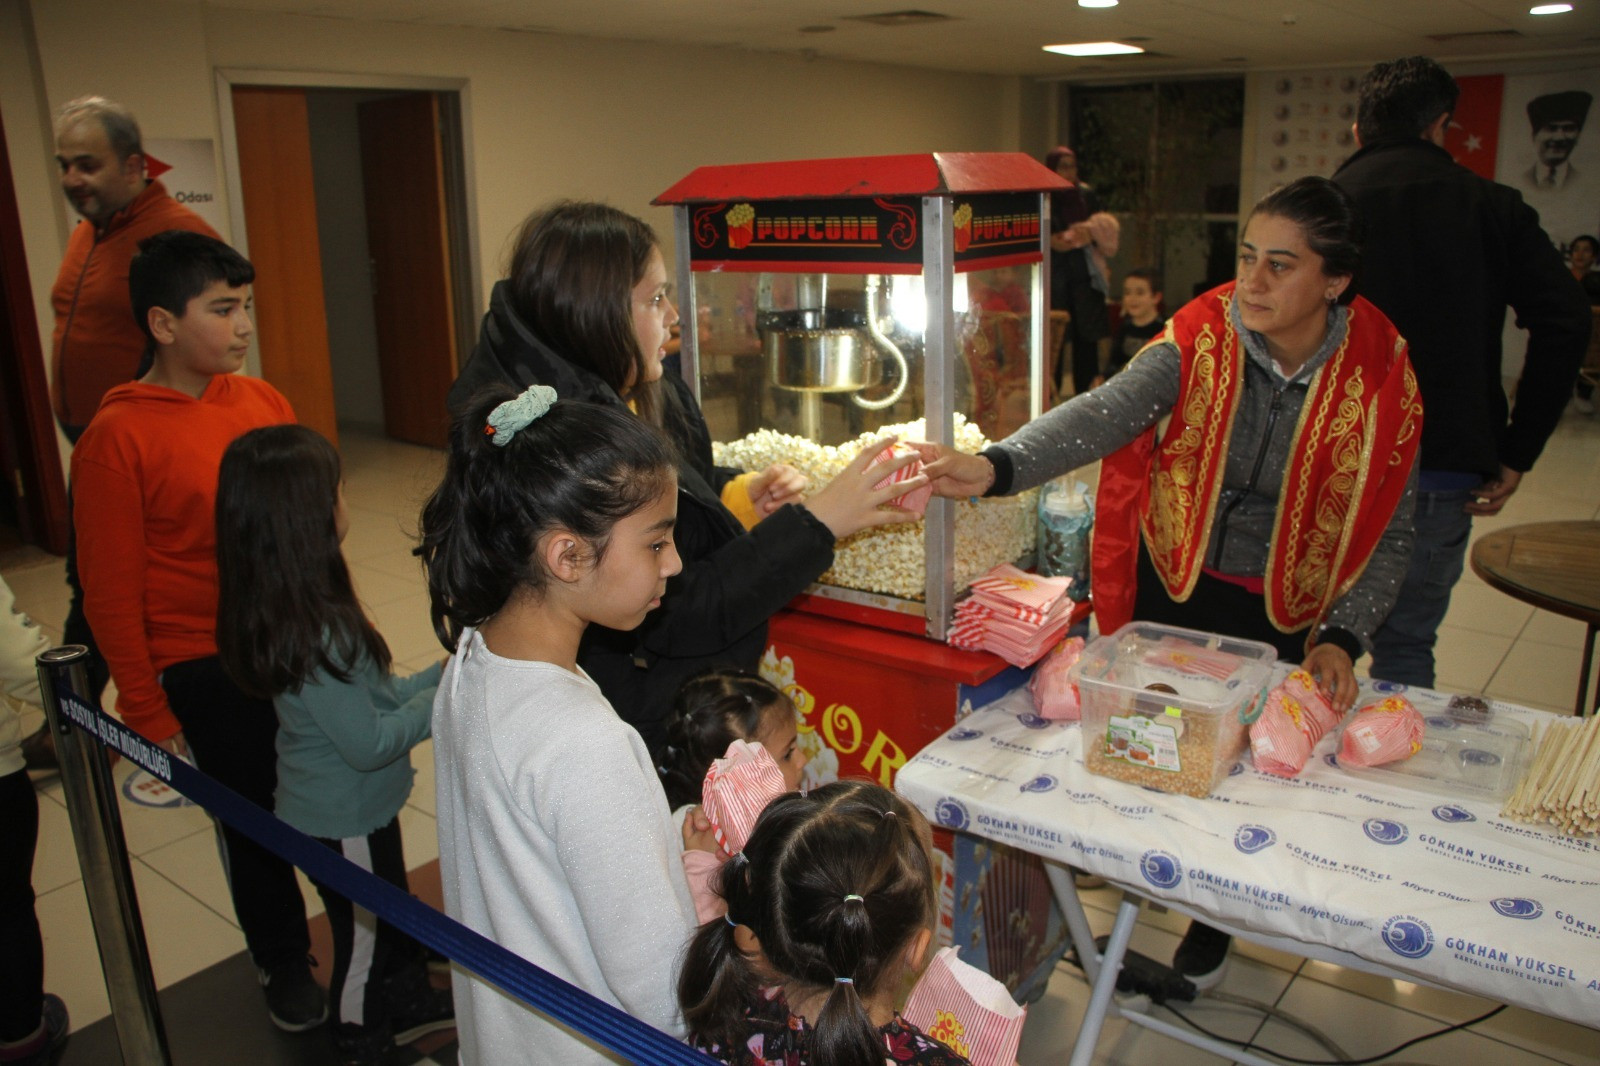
416,1008
294,999
362,1045
1203,955
41,1048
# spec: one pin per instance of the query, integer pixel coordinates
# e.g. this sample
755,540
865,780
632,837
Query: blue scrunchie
513,415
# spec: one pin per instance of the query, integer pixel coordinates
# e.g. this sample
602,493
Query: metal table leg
1065,889
1094,1017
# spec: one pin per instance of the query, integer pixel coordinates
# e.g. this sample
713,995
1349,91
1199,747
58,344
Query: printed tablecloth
1441,889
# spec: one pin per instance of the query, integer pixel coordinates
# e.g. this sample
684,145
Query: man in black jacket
1445,253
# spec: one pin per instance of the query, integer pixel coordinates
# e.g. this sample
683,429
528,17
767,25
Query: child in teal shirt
289,627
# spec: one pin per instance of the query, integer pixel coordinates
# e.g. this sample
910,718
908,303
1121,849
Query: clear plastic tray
1469,750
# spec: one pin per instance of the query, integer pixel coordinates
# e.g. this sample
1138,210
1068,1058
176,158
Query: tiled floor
1490,644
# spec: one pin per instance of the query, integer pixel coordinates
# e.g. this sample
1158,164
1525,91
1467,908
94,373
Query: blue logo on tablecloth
1384,831
1388,687
1449,812
1441,721
1408,936
964,733
1034,721
951,813
1332,759
1517,907
1042,783
1253,838
1161,869
1236,769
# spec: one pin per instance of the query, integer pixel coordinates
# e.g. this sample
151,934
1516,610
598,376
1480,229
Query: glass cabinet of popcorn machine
826,303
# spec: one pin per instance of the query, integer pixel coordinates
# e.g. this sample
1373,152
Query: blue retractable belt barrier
572,1006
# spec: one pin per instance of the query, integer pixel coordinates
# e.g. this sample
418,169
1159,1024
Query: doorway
352,201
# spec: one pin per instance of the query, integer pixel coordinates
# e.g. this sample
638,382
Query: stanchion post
91,796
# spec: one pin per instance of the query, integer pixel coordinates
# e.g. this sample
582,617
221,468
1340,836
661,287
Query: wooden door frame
469,302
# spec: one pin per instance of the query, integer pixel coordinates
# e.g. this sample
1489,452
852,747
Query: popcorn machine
826,302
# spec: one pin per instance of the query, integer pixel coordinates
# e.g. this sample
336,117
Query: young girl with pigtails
830,907
555,839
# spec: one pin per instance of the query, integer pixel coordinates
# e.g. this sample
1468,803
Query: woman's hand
176,745
849,503
775,486
697,832
952,473
1335,674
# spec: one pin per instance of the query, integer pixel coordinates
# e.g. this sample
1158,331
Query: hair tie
844,980
891,814
853,896
514,415
739,856
731,923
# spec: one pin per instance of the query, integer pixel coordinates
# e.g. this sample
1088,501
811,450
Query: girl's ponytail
844,1032
866,931
717,982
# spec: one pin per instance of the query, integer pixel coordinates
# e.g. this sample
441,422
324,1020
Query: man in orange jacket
97,344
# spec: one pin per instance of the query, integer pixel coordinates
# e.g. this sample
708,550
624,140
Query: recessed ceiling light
1542,9
1097,3
1094,48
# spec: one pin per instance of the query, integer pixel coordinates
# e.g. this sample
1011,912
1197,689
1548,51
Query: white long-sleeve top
555,841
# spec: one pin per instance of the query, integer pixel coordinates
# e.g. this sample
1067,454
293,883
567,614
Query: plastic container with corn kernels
1169,708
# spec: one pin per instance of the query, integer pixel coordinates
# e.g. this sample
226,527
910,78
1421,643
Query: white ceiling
1005,36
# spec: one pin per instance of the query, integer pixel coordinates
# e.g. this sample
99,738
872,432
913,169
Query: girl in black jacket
586,310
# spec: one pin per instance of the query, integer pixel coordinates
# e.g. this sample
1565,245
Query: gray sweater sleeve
1363,609
1093,424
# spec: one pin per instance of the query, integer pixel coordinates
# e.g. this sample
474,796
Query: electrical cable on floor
1253,1046
1285,1017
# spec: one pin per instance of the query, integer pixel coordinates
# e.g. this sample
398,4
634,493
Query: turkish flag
154,168
1474,130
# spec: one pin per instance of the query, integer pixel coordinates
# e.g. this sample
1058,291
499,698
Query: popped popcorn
890,559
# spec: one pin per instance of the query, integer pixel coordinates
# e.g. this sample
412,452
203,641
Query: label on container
1143,742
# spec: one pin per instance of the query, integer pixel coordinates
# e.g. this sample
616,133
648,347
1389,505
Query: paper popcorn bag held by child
967,1010
1296,716
916,500
1052,689
737,789
1383,732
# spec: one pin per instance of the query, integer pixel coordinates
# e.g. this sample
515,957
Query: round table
1553,565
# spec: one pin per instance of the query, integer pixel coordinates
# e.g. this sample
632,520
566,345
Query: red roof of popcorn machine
926,174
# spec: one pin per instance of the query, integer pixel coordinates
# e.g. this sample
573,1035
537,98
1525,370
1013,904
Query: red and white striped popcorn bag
916,500
967,1011
737,789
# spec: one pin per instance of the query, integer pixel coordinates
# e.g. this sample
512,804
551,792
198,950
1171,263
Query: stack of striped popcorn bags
1014,614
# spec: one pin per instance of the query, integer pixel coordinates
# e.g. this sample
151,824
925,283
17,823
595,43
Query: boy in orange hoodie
145,486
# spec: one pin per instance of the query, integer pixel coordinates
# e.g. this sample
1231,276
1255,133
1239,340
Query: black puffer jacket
715,612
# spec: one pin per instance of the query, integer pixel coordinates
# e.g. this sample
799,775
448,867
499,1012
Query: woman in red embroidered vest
1275,504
